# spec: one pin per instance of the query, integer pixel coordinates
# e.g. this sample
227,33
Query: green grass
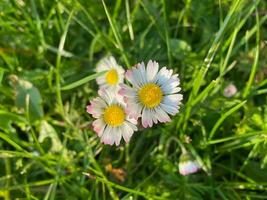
48,53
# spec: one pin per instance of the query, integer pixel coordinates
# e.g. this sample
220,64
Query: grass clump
48,55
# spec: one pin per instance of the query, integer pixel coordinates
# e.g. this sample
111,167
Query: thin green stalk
8,173
251,154
235,137
261,91
38,23
116,35
27,188
4,137
167,37
256,59
58,65
224,116
129,22
229,52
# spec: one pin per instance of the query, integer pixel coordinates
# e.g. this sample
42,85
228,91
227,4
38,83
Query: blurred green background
47,147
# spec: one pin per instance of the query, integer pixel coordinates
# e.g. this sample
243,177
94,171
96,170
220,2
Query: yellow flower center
150,95
112,77
114,115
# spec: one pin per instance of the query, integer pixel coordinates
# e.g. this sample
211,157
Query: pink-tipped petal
89,109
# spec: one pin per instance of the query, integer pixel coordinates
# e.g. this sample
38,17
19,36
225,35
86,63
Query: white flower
230,91
187,165
154,93
114,75
112,122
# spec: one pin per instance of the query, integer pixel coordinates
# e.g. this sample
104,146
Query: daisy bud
187,165
230,91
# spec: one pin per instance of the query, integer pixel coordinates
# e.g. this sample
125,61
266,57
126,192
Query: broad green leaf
82,81
48,131
23,89
179,48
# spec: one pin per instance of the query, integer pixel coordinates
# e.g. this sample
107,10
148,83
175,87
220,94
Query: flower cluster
152,95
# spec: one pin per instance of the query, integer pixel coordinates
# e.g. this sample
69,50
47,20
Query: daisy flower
111,122
153,95
114,75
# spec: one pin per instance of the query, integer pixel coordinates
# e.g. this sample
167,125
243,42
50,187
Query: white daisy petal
172,110
133,109
96,111
106,95
162,115
131,125
112,61
106,137
99,126
171,86
125,90
142,72
101,80
127,132
173,99
130,77
163,76
153,115
117,136
137,76
152,70
146,118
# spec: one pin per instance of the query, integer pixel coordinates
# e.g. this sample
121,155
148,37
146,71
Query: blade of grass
129,22
235,137
1,75
38,23
256,59
229,52
11,142
83,81
116,35
58,64
205,92
11,154
224,116
166,28
8,173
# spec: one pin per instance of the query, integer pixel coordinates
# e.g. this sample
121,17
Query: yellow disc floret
112,77
150,95
114,115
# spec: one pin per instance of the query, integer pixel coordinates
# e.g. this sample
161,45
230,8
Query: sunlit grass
48,54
